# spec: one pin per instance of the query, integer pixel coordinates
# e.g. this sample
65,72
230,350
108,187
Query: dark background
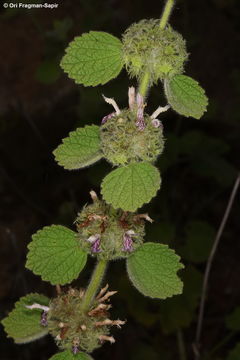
39,105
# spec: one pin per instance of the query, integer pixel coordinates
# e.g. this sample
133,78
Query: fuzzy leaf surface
153,271
186,96
93,58
68,355
55,255
129,187
22,324
81,148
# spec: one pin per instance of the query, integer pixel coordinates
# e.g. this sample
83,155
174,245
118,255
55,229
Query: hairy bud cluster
108,233
76,330
127,138
147,48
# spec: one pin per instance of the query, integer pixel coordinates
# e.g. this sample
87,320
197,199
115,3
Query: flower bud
159,52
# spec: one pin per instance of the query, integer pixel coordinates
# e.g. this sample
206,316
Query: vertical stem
144,84
145,81
94,284
166,13
196,345
181,345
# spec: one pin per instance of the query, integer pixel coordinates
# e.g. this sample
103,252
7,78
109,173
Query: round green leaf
131,186
82,148
55,255
68,355
153,271
93,58
186,96
23,324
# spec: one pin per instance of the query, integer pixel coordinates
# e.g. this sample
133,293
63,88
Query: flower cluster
108,233
72,328
131,135
149,49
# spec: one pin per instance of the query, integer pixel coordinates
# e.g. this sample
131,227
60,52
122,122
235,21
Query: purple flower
107,117
43,320
128,241
95,241
156,123
75,349
140,103
96,246
140,123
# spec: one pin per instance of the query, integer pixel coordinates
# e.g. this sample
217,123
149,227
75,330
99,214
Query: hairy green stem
94,284
166,13
144,84
145,81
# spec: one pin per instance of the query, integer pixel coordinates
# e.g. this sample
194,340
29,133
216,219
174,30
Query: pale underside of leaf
82,148
153,271
186,96
93,58
131,186
23,324
55,255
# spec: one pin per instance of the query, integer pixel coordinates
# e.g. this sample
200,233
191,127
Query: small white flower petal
131,97
112,102
159,110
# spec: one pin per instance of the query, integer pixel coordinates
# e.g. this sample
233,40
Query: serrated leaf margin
185,109
18,305
74,44
115,177
66,142
137,283
31,246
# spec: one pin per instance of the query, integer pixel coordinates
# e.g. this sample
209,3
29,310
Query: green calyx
108,233
159,52
123,143
72,328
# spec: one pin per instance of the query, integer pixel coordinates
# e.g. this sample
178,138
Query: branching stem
94,284
166,14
